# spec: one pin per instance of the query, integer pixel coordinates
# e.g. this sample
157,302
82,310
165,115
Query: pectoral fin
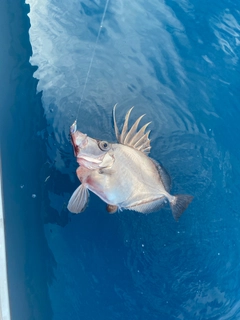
78,200
111,208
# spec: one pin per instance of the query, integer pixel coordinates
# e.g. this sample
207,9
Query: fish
122,174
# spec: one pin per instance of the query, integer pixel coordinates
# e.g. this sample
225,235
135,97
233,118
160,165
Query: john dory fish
121,173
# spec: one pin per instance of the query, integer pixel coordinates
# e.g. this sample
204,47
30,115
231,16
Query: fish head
91,153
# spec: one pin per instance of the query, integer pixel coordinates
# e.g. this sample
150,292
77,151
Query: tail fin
179,204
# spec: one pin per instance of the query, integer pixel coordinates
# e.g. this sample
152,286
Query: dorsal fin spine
144,141
130,135
133,138
139,135
115,123
146,150
125,126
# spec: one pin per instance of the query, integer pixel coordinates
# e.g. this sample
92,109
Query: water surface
176,61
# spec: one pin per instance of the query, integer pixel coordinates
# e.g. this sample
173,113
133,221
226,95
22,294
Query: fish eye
104,145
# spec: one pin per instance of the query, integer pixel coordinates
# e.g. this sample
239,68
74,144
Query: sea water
176,61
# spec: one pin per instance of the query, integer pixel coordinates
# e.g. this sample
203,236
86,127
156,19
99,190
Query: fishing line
92,57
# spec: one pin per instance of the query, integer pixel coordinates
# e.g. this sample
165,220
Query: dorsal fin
137,139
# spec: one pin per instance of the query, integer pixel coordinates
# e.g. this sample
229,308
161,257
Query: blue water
176,61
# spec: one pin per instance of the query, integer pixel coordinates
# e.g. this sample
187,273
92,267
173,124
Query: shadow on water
23,152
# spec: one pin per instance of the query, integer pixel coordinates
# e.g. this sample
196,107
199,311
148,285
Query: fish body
122,174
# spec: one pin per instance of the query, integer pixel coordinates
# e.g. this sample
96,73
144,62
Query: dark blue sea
178,61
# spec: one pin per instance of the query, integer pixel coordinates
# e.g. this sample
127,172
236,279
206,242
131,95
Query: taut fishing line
92,57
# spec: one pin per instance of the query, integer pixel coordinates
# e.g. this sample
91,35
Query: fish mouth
89,162
86,149
90,159
79,145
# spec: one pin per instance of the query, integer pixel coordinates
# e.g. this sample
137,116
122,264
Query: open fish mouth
85,149
90,162
91,159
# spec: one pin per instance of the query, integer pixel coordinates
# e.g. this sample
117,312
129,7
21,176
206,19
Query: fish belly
133,180
136,179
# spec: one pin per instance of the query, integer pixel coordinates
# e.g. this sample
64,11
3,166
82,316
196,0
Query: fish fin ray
144,142
115,123
78,200
139,140
146,150
132,131
125,126
180,204
139,135
149,206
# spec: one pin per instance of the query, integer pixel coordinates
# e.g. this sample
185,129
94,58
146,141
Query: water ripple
178,62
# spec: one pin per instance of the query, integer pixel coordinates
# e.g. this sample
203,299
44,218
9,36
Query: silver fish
122,174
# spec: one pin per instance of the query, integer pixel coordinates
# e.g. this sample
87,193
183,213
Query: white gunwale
4,296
